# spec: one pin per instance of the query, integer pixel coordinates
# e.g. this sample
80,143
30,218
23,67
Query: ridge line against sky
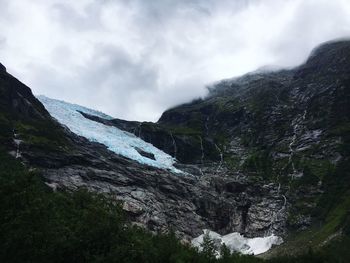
134,59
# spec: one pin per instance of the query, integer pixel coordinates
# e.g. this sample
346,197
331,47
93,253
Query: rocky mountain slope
155,198
265,153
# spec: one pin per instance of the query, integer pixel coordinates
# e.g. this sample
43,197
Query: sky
133,59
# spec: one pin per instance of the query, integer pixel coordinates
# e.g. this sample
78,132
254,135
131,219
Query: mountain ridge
262,150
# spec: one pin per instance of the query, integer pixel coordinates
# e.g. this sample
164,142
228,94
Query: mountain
263,154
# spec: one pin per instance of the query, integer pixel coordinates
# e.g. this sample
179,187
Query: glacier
116,140
235,242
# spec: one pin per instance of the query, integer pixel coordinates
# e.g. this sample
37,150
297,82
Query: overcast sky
134,59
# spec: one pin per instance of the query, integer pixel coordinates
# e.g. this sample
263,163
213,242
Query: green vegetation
5,129
314,170
21,112
232,162
44,135
41,134
329,238
330,232
259,162
336,199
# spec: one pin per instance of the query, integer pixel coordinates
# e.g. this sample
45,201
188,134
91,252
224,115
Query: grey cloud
157,12
302,33
2,42
108,81
4,11
134,58
87,19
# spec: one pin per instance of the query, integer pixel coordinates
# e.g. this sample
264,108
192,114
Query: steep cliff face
263,153
289,128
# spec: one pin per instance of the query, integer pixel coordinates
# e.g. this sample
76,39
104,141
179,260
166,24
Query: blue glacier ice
116,140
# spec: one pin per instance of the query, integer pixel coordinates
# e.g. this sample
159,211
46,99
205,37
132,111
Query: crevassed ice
238,243
118,141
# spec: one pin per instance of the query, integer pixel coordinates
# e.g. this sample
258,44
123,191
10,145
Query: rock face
2,67
256,150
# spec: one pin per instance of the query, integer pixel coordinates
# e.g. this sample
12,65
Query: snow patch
116,140
235,242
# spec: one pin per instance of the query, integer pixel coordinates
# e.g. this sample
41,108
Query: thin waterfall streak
174,144
221,157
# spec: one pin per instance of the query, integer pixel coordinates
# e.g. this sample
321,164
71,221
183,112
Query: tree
208,248
225,254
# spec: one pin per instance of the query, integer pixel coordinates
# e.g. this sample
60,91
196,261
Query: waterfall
202,156
140,127
221,157
275,215
202,149
137,128
206,125
17,143
291,151
174,144
296,128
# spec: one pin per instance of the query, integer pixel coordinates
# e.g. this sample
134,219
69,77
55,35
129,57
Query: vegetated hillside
265,153
21,112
